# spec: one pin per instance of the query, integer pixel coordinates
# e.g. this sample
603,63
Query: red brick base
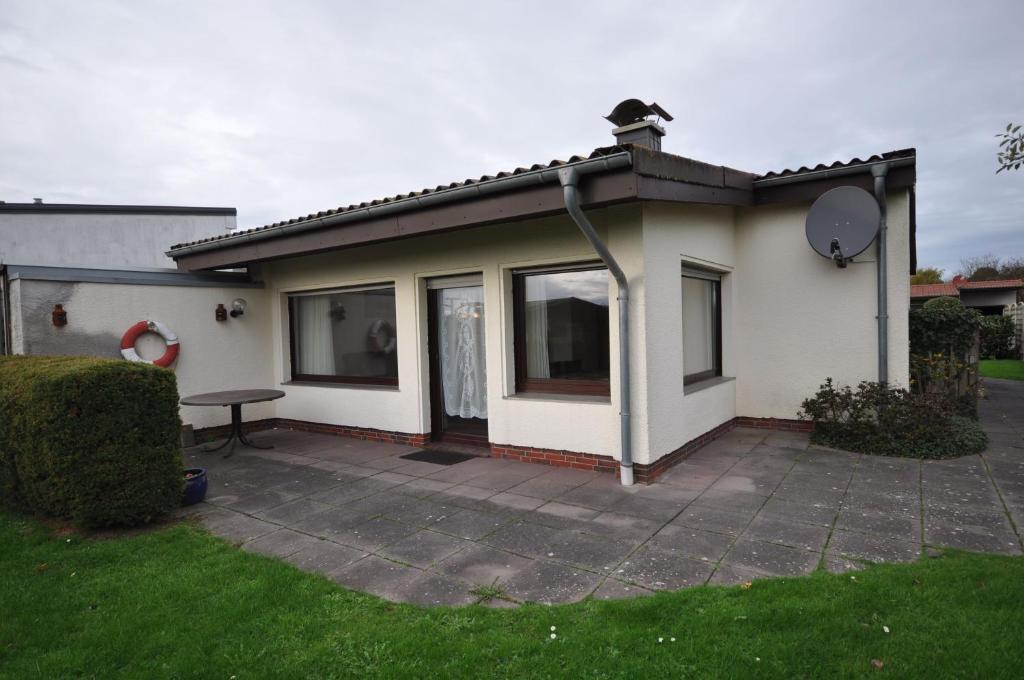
642,473
365,433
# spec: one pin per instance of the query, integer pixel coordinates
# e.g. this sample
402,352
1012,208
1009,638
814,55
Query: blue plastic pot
195,488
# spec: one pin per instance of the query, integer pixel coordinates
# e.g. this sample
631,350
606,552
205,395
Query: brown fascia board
654,176
540,201
807,191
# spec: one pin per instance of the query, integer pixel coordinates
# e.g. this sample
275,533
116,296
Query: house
74,277
493,311
988,297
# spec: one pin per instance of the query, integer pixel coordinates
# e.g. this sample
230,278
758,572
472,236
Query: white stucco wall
698,236
98,240
233,354
800,319
577,424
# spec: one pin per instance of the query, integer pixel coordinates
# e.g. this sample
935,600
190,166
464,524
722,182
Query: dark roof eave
86,209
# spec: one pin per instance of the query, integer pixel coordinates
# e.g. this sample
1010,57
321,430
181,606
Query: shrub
889,421
943,356
998,338
92,440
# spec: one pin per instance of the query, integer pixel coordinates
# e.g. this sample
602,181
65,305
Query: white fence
1016,312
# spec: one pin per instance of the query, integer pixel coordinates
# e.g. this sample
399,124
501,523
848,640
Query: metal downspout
569,178
879,172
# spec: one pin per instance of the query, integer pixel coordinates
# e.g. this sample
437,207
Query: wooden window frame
716,371
331,379
562,386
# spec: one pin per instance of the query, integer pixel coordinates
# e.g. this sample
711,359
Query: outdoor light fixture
238,307
221,313
59,316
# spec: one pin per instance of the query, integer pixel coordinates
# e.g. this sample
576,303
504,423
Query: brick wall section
642,473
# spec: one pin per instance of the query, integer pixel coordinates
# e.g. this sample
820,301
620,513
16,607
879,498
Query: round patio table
234,399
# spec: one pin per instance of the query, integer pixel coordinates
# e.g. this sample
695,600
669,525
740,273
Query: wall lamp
238,306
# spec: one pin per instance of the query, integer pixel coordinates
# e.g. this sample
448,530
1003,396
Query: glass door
458,360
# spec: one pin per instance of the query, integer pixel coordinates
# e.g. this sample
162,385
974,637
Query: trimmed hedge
889,421
96,441
998,338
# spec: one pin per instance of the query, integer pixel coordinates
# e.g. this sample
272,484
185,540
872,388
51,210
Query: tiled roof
597,153
953,288
934,290
888,156
1004,283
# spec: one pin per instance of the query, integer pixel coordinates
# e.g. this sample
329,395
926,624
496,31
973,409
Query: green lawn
1012,369
178,603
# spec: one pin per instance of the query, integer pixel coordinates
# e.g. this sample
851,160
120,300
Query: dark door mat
438,456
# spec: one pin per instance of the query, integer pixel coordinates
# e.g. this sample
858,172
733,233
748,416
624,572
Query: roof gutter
833,172
477,190
570,179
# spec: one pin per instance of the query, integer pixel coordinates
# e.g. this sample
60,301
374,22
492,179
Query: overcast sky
285,108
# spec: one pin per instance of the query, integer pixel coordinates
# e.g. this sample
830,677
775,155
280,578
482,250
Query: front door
458,365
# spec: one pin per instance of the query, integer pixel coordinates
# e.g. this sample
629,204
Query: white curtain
698,325
538,363
316,335
463,365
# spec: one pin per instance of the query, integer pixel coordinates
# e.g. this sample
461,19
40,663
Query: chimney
634,126
37,201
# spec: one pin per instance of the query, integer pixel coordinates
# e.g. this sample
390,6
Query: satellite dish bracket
837,254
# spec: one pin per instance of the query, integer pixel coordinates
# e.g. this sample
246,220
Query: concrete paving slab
771,559
551,583
657,567
871,548
280,543
483,565
424,548
469,524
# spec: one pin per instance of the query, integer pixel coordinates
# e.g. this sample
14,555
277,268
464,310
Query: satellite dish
842,223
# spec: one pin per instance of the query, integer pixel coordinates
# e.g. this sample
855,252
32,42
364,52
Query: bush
879,419
998,338
96,441
943,356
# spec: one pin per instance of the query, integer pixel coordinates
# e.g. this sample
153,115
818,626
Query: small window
702,325
561,330
344,336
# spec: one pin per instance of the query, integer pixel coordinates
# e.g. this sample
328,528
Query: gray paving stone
898,527
871,548
771,559
788,532
617,590
551,583
424,548
514,501
648,508
377,576
483,565
527,538
714,519
373,535
547,486
240,528
973,538
786,510
423,488
293,511
280,543
557,511
731,575
618,527
735,501
598,494
324,557
469,524
434,590
761,484
661,568
330,523
705,546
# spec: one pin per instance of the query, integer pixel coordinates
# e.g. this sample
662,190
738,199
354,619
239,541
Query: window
702,325
344,336
561,330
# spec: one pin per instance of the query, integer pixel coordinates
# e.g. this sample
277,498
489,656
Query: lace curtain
316,335
463,368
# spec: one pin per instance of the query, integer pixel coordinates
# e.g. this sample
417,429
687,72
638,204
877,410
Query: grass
179,603
1012,369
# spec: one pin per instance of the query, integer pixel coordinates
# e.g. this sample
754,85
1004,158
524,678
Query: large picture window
702,325
345,336
561,330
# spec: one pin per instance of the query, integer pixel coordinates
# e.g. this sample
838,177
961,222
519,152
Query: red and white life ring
133,333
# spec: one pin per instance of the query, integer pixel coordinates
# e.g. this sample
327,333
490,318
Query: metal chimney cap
37,200
634,111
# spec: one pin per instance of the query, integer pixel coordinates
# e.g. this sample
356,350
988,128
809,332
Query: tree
1011,150
1012,268
970,265
926,275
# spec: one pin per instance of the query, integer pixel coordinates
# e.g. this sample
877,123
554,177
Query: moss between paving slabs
180,603
1011,369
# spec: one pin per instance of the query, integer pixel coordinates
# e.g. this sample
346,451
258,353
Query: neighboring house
102,236
988,297
477,312
100,263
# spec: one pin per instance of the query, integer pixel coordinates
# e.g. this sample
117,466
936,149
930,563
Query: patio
752,504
